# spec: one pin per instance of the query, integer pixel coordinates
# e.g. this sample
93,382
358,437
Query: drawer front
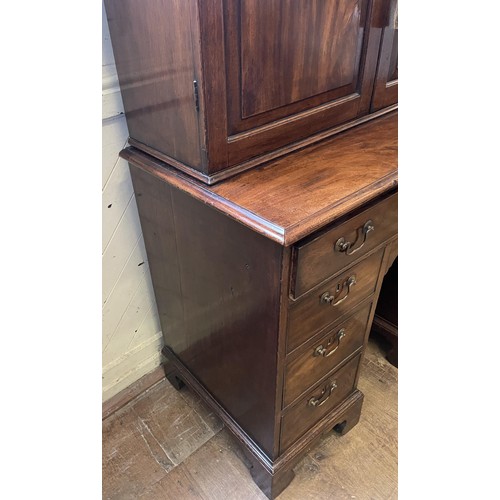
317,403
325,255
314,362
330,301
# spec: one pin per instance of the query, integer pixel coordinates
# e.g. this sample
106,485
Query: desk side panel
217,286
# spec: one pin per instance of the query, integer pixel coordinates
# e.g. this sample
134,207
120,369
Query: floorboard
167,445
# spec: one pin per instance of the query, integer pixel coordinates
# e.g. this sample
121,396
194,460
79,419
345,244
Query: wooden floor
167,445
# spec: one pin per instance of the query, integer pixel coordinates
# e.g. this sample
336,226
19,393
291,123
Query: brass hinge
196,96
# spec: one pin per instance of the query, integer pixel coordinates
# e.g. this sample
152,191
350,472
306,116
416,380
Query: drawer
316,360
317,403
333,250
312,313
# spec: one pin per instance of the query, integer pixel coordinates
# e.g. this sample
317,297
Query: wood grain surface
302,416
319,257
307,189
269,86
128,394
362,464
385,91
154,45
311,314
289,198
217,286
306,366
209,86
284,65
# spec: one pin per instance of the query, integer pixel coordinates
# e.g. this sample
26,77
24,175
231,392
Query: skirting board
132,391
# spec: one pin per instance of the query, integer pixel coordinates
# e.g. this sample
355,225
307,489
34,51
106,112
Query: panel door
385,91
291,68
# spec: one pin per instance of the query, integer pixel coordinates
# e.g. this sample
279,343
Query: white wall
131,332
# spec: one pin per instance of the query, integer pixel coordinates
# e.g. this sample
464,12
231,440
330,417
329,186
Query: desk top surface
288,198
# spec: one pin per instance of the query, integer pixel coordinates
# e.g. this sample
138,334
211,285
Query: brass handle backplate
325,351
325,394
341,245
327,298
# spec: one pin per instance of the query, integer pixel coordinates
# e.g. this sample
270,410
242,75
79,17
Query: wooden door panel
286,57
385,92
282,73
295,49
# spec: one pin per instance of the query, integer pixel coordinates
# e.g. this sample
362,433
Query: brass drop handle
325,394
323,351
326,298
342,245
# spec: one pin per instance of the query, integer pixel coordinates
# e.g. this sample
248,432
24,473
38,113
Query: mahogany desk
266,286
